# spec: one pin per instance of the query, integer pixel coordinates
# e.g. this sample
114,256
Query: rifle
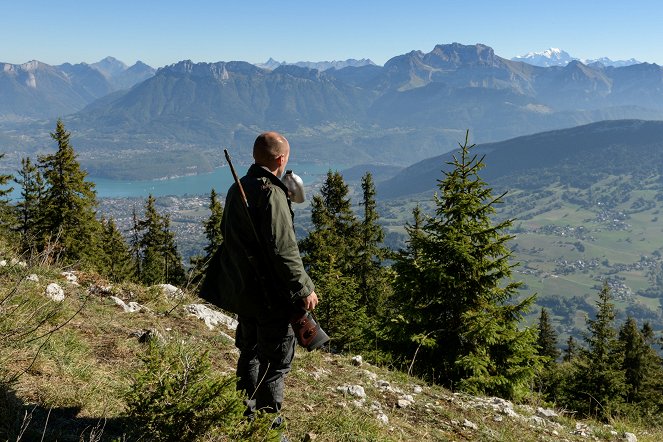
308,332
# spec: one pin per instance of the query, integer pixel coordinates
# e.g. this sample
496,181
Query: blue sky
161,32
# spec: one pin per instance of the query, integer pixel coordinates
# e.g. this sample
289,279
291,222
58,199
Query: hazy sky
161,32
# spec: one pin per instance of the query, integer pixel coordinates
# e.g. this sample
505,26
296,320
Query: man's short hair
269,146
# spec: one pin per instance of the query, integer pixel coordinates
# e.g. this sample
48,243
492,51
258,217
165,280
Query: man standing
260,275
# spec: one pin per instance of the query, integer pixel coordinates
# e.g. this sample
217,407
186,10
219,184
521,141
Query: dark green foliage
547,381
29,208
160,261
642,369
177,397
547,339
213,234
598,386
460,315
330,253
68,210
6,211
371,275
571,350
116,261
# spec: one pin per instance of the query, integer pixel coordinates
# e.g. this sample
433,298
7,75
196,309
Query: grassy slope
75,386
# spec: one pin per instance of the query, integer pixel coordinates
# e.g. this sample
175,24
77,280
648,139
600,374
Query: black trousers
267,346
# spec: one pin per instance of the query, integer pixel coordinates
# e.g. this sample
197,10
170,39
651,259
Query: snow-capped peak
549,57
559,57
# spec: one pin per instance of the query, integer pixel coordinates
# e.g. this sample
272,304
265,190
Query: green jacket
231,281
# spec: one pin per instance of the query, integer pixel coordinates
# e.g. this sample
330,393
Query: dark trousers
267,346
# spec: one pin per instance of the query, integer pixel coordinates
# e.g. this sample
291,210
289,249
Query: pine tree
642,368
330,251
571,350
117,262
598,386
213,232
372,277
160,261
547,339
463,300
29,208
214,236
6,211
69,202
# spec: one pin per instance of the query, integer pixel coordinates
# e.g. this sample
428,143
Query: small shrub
176,396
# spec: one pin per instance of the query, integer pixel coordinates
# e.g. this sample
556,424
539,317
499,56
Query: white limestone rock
170,291
32,277
469,424
55,292
352,390
546,413
382,418
357,361
70,277
630,437
131,307
3,263
211,317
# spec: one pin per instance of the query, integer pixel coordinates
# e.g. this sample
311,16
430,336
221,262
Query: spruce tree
212,226
547,381
6,210
214,236
547,339
160,261
29,207
330,252
69,202
463,299
598,386
642,368
570,350
117,262
372,277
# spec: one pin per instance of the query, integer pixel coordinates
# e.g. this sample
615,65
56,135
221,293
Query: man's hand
310,301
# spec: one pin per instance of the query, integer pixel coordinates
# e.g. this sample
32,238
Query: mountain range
558,57
38,90
418,105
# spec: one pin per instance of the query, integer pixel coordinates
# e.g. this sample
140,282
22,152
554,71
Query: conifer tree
331,249
598,386
29,208
463,299
548,380
6,210
570,350
135,243
371,276
160,261
214,236
69,202
642,368
547,339
212,226
117,262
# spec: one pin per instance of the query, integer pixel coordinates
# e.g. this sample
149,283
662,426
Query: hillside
72,381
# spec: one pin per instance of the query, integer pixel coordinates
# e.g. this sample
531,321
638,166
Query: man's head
272,150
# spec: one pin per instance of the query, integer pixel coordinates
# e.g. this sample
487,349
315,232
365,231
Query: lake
220,179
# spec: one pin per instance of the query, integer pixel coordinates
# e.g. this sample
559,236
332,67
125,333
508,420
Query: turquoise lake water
220,179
